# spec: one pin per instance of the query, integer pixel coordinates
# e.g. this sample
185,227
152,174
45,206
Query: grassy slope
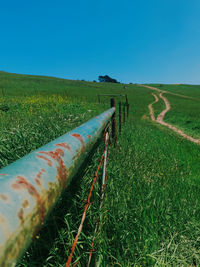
183,89
184,112
41,109
151,213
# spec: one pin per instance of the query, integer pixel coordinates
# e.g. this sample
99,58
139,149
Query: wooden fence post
120,117
114,123
124,114
127,110
126,99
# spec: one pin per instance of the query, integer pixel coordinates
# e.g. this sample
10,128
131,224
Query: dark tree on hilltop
106,79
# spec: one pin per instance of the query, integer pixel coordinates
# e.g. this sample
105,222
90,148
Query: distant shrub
107,79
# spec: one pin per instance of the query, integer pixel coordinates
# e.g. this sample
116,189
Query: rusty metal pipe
30,186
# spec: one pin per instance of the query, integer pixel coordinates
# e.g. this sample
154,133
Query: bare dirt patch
150,106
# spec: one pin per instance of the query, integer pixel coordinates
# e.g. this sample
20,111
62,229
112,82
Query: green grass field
182,89
185,114
151,213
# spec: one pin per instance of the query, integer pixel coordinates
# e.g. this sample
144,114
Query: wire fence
110,128
103,188
88,203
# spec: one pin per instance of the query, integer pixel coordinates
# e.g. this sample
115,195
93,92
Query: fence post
126,99
120,118
127,110
114,123
124,114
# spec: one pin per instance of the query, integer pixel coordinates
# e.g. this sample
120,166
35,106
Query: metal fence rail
30,186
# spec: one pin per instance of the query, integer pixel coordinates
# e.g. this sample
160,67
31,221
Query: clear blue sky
130,40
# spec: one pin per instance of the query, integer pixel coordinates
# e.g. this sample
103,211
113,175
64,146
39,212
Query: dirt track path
151,107
168,107
167,92
160,118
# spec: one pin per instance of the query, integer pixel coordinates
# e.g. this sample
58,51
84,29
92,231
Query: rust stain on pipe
65,145
23,184
4,197
79,137
25,204
49,162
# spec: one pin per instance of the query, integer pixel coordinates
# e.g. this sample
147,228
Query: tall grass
151,214
185,114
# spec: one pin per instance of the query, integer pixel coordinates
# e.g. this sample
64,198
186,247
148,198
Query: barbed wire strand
104,181
85,210
94,236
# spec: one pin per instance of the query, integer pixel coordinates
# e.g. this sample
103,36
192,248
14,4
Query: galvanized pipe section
30,186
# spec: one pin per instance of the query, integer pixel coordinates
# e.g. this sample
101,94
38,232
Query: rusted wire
95,231
85,210
103,188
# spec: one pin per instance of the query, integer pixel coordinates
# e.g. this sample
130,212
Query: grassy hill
151,214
